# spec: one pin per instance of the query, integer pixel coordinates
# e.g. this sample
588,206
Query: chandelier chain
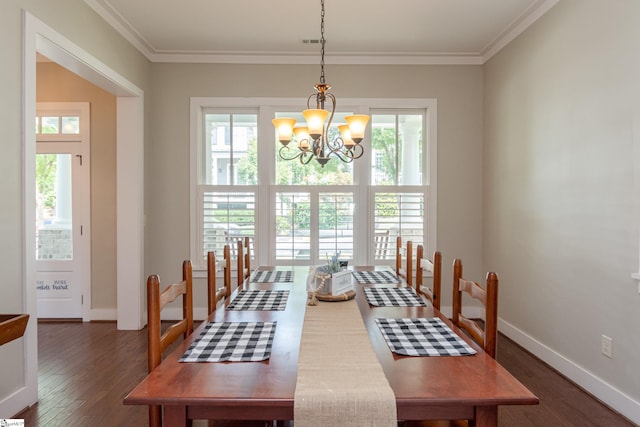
322,43
313,140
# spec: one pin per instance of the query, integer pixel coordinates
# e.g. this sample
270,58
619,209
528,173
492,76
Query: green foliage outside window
386,205
247,166
46,167
384,140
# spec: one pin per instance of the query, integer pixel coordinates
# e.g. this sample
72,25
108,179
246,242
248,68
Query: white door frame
39,37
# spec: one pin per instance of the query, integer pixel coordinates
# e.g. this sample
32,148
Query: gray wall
562,129
458,90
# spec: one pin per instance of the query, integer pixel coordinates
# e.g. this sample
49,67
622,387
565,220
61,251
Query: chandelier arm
347,155
356,152
333,107
312,96
305,157
286,148
336,144
343,156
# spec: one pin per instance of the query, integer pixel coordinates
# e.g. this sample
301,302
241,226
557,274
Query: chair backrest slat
407,254
243,259
216,294
171,292
435,266
487,336
158,342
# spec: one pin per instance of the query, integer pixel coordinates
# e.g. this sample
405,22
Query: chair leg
155,416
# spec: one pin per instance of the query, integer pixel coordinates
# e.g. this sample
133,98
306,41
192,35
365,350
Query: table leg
175,416
486,416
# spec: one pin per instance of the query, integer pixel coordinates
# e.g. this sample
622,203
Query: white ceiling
356,31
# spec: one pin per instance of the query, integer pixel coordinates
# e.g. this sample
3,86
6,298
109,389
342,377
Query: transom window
301,214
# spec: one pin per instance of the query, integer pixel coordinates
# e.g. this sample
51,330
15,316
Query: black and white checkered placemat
232,342
259,300
272,276
393,297
422,337
376,277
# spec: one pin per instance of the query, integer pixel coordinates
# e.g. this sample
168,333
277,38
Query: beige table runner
340,381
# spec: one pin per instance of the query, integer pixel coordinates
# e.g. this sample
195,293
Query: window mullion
314,223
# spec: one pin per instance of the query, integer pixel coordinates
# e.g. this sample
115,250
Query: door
62,210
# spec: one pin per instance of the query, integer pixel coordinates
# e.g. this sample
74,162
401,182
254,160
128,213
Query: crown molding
517,27
122,26
281,58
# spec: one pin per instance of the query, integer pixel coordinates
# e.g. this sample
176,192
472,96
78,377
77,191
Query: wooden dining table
442,387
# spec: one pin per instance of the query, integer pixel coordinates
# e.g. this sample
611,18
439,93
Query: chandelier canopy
313,139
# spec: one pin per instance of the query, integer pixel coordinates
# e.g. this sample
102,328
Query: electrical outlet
607,346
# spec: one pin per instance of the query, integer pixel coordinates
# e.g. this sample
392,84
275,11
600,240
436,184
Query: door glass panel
54,239
71,125
50,125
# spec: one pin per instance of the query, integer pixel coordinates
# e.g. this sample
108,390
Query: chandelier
313,140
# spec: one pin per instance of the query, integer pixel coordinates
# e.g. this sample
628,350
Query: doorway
63,249
38,37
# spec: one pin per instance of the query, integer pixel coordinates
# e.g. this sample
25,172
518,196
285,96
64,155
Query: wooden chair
407,272
215,294
158,341
244,259
435,266
487,336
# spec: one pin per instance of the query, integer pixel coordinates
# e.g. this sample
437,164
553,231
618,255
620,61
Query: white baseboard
597,387
16,402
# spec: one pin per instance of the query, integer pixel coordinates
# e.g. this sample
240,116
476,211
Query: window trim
266,174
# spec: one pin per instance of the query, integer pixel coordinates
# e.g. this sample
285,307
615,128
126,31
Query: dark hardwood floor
86,369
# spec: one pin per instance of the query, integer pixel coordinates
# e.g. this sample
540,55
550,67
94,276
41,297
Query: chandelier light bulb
345,133
357,124
302,136
284,129
315,121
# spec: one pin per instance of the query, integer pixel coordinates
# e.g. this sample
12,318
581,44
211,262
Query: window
230,148
300,214
57,125
228,174
397,146
398,195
